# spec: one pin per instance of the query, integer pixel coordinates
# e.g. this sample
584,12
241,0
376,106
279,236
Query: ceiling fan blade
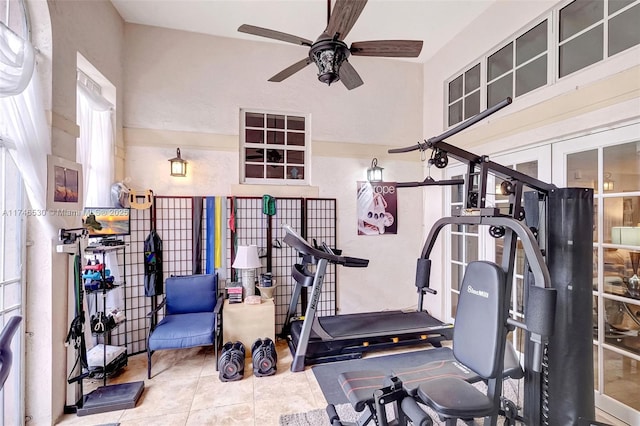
277,35
387,48
289,71
343,17
349,76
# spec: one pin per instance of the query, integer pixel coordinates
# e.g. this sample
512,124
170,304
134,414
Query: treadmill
315,340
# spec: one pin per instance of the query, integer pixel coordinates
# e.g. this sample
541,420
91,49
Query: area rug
327,377
318,417
327,374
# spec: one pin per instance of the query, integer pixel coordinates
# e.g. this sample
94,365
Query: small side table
247,323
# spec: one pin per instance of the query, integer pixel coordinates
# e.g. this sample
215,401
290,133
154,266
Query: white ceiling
433,21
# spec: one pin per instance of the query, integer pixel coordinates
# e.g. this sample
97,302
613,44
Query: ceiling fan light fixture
328,55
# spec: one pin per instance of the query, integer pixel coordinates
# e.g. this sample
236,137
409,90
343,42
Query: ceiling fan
329,52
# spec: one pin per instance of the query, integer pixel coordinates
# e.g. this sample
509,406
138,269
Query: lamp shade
247,258
626,235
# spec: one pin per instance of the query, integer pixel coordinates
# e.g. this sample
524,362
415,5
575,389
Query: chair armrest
157,308
219,304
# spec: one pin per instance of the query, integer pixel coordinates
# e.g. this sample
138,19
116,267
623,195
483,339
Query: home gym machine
561,219
316,339
554,227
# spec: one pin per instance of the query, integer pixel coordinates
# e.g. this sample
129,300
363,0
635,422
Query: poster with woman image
377,206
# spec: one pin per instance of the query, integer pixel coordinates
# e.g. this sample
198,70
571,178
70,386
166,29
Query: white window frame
306,148
553,54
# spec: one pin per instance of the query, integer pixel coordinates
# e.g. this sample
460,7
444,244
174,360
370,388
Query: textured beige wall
186,89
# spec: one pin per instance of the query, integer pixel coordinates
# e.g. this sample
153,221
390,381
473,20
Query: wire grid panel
321,223
137,304
250,229
174,225
288,211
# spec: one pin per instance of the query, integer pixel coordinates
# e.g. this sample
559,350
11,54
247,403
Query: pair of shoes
231,363
264,357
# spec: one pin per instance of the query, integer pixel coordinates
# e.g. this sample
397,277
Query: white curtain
22,117
95,150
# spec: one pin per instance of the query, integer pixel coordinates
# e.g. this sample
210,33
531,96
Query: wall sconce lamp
247,261
374,173
608,183
178,165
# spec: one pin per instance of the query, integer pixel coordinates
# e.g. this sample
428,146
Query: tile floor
185,390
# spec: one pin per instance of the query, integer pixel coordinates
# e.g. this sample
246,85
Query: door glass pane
500,62
621,374
456,247
471,248
531,43
622,165
582,51
456,191
578,15
499,90
623,30
531,76
457,271
582,169
454,304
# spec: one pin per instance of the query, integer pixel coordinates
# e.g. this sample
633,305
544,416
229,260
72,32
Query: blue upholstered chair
193,316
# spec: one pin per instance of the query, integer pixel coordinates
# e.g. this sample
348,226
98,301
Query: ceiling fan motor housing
328,55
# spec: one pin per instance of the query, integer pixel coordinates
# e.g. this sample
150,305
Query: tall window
274,147
14,22
95,150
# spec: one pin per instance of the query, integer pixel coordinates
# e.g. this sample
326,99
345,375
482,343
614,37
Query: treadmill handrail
300,244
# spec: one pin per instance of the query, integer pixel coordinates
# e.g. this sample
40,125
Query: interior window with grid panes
274,147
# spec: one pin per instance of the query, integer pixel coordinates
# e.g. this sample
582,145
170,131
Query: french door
609,162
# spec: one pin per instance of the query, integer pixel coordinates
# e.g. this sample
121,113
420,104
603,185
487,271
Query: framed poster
377,206
64,184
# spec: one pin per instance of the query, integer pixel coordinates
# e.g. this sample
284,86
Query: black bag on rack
153,278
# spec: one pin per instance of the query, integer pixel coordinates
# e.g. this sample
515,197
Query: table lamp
629,236
247,261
